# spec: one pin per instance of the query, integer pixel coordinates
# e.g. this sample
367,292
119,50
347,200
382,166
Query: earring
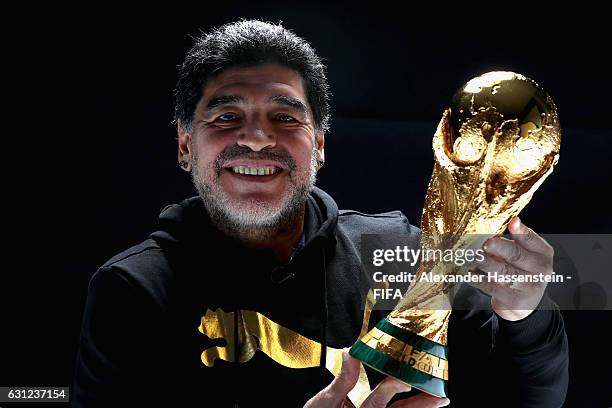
321,163
183,164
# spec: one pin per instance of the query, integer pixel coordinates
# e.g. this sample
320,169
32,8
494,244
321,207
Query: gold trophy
493,148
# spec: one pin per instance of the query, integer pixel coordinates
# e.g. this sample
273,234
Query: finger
504,292
422,400
348,376
528,239
510,295
384,391
335,393
494,267
490,288
511,314
513,253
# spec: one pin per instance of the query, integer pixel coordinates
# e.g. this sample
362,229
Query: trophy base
399,353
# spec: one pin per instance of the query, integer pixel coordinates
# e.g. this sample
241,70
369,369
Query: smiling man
248,292
254,149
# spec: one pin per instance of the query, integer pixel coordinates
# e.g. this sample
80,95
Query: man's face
253,148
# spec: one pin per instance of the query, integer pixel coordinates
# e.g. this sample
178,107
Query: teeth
254,171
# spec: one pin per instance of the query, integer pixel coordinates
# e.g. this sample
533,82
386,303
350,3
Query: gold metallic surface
400,351
255,331
429,323
493,148
285,346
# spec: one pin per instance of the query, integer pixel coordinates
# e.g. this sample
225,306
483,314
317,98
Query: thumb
348,376
335,393
515,226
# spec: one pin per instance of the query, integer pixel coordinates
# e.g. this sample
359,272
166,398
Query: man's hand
526,253
335,394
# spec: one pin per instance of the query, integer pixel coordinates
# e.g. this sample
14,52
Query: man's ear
320,145
184,148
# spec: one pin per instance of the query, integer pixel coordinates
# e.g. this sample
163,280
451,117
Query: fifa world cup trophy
493,148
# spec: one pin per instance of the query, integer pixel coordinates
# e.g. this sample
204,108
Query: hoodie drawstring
325,313
236,338
236,351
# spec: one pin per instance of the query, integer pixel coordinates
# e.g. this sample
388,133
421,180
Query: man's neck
281,242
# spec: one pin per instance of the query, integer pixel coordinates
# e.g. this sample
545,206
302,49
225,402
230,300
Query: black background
91,151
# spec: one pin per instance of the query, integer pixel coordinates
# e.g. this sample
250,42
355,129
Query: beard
252,219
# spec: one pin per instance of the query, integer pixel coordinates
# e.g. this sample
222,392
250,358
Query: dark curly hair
247,43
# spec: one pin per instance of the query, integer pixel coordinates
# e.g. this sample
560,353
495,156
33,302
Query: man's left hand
526,253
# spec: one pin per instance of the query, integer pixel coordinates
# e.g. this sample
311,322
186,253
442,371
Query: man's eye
227,117
285,118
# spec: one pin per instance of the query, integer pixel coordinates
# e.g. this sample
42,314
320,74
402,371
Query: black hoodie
141,344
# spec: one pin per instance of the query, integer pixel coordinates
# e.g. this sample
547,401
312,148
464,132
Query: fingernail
345,355
401,386
518,226
487,245
443,402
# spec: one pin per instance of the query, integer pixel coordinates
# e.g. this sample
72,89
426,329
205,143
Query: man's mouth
255,171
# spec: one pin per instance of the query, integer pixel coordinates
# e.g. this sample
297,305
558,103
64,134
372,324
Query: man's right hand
335,394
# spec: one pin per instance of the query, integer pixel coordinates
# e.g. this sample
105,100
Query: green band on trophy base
414,340
400,367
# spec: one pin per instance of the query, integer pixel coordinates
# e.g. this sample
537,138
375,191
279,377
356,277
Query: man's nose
256,136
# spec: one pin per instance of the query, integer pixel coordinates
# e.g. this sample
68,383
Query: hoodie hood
188,221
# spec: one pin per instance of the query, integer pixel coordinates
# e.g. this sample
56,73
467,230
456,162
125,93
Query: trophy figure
493,148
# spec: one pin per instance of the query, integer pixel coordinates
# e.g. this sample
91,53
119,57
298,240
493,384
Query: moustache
243,152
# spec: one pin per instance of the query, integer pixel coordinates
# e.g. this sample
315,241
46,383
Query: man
247,293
